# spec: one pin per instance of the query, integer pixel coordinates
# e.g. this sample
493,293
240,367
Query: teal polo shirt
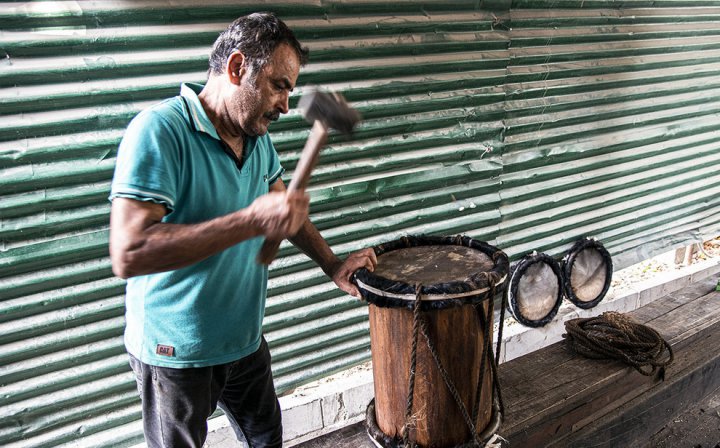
211,312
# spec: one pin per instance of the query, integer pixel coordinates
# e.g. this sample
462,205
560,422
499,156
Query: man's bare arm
309,240
140,243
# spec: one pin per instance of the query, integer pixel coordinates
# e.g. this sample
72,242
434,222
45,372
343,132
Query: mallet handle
301,177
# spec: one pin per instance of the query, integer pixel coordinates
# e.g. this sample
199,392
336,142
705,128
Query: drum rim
568,262
510,292
386,441
383,292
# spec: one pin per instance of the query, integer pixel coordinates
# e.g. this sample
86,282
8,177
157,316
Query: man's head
256,36
258,58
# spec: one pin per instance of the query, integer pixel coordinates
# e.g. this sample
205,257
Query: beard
248,107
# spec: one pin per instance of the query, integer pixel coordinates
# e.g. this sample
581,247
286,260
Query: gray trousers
176,403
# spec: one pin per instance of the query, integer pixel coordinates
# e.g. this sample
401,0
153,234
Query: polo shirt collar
199,118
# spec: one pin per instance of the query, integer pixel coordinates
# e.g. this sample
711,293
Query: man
197,186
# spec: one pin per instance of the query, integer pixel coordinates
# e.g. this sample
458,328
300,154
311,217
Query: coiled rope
613,335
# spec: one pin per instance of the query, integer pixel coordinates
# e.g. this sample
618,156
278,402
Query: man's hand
280,215
361,259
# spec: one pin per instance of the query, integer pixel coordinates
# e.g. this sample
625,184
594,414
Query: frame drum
535,290
587,269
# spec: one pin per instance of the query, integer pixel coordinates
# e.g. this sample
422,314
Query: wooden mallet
325,111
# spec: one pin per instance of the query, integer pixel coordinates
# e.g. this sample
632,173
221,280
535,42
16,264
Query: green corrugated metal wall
611,126
526,125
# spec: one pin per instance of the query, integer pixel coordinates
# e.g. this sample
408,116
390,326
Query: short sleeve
275,169
147,164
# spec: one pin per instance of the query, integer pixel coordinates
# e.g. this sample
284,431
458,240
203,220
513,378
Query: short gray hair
256,36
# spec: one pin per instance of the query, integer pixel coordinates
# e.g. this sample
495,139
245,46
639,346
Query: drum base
382,440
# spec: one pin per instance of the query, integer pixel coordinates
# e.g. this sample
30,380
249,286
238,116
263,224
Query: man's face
259,103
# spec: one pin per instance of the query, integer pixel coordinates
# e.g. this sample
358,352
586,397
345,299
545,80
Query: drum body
436,419
447,334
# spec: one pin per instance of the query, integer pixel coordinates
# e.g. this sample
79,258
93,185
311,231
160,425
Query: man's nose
284,102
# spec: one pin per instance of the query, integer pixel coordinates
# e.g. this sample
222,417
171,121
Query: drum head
535,290
429,265
451,271
587,269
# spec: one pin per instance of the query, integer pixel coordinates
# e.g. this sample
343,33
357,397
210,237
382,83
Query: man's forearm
309,240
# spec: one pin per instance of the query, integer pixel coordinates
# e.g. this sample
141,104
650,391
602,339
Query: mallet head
331,109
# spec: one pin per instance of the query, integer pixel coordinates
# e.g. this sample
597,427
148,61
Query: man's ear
236,67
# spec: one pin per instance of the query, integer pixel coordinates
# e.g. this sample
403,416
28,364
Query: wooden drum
431,306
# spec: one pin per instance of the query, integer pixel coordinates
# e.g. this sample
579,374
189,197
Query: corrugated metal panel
527,128
611,126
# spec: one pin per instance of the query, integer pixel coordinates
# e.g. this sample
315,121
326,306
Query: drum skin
459,342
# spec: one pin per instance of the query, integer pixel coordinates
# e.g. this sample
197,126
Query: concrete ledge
335,402
340,400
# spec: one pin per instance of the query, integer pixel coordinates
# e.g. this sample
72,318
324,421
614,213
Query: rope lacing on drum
448,382
483,322
413,365
420,326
